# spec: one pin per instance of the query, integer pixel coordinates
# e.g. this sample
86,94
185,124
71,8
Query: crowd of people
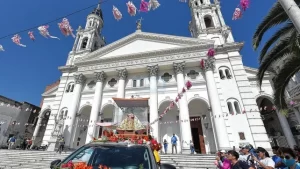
259,158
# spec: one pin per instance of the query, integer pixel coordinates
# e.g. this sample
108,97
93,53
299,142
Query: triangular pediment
141,42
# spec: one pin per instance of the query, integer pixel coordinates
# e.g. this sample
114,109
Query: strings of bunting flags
238,12
145,6
188,85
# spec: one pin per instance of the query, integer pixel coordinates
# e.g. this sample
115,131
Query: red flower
183,90
211,52
188,85
68,165
202,62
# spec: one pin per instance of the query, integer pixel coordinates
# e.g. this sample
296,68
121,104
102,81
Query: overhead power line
54,20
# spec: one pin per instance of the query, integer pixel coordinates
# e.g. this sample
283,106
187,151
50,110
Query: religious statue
139,24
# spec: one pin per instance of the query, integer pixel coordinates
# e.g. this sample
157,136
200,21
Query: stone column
122,75
297,114
92,130
153,70
76,42
286,130
219,123
184,116
36,129
70,129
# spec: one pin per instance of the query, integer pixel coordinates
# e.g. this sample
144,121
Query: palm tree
283,45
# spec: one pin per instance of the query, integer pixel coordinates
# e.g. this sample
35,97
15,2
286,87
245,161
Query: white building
157,66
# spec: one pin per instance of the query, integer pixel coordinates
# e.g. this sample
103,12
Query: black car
111,156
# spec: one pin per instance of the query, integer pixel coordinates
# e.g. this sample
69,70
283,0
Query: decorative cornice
122,74
68,68
179,67
209,64
79,78
143,61
137,56
100,76
144,36
153,70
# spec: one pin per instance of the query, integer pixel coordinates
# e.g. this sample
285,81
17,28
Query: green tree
282,47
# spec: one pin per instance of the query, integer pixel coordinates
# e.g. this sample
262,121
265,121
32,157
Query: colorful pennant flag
31,36
131,8
117,14
66,28
17,40
45,32
144,6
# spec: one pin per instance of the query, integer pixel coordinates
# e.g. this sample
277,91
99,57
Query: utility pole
293,11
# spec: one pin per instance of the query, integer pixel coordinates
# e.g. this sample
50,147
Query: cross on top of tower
139,24
97,11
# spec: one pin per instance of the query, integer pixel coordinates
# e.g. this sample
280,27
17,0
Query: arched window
230,108
142,82
63,114
237,107
201,1
134,83
70,87
84,43
166,77
233,106
221,74
66,113
196,3
228,75
208,21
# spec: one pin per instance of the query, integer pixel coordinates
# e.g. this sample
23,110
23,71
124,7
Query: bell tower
208,22
89,38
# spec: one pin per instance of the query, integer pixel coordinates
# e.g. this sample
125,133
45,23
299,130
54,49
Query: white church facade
224,97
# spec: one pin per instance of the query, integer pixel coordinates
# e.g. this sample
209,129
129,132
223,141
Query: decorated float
132,124
132,127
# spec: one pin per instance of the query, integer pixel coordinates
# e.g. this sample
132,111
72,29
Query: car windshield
110,157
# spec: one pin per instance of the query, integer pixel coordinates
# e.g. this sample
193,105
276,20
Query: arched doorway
271,121
201,126
40,127
169,125
82,123
106,115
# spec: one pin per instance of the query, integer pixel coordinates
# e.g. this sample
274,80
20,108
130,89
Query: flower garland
80,165
188,85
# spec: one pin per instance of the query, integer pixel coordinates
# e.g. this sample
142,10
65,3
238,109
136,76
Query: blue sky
25,72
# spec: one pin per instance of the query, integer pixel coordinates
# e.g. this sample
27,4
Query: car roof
119,144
